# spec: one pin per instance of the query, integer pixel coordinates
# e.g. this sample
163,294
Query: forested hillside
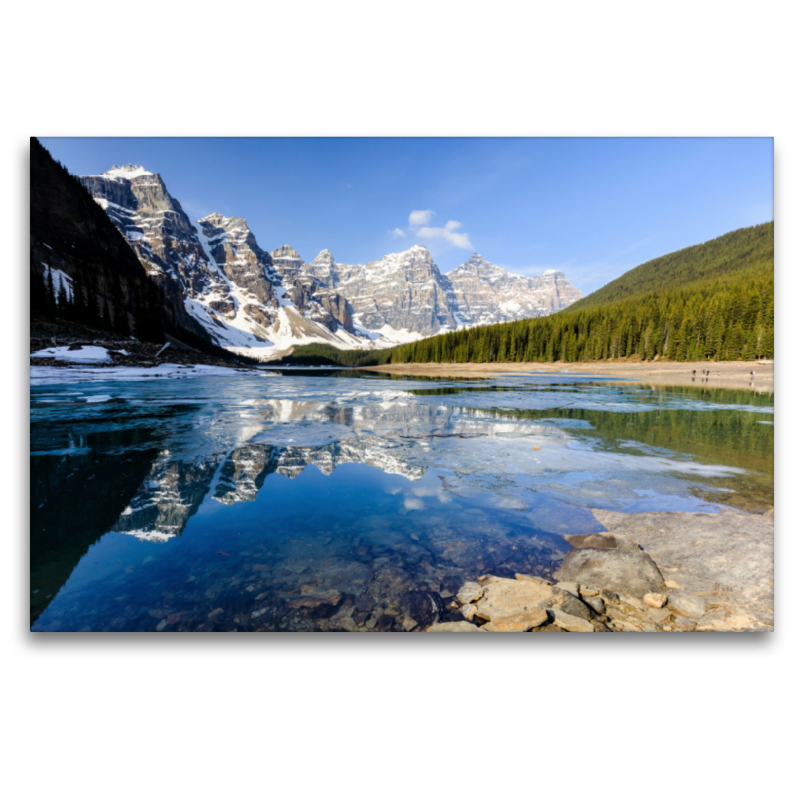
81,269
736,256
713,301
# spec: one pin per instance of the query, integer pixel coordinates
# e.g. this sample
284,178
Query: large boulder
623,571
504,597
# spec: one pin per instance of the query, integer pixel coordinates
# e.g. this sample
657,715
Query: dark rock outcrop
622,571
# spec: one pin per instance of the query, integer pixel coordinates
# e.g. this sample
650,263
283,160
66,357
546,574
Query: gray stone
571,605
687,604
595,603
622,571
601,541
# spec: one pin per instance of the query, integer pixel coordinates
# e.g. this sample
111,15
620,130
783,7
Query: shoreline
723,374
650,572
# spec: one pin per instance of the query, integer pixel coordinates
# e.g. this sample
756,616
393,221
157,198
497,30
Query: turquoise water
351,501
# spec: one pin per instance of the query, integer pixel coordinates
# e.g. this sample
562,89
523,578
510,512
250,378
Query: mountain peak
478,265
323,257
221,221
286,252
128,171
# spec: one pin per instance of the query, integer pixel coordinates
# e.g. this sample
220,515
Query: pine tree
51,293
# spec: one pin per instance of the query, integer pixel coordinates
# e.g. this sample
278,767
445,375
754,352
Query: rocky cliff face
161,235
485,294
315,298
226,282
404,292
261,303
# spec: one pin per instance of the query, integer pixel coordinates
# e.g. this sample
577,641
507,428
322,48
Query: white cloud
397,233
417,218
460,240
452,225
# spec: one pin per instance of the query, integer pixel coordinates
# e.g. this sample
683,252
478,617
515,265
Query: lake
314,500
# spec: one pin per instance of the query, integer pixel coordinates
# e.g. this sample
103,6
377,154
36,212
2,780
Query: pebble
161,625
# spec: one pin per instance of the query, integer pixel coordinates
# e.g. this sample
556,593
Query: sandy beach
722,374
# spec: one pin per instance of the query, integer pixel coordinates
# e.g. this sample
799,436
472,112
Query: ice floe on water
54,375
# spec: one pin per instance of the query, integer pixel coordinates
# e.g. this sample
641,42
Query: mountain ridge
262,303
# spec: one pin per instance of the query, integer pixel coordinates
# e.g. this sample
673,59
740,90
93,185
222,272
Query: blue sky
593,208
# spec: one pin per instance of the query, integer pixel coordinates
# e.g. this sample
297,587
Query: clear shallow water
330,500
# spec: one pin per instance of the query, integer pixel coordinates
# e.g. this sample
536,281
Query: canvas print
406,385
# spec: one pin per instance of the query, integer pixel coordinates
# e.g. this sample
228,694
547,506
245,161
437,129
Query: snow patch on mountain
128,172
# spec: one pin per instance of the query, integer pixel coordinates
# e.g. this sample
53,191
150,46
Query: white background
132,716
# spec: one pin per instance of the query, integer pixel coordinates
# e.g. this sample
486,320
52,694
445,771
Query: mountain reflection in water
330,502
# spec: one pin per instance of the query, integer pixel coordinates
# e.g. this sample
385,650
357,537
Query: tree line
720,321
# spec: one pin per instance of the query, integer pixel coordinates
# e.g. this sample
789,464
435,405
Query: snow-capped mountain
262,304
400,293
224,280
485,293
